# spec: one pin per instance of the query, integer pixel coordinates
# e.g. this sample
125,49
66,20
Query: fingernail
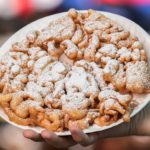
28,134
46,134
73,126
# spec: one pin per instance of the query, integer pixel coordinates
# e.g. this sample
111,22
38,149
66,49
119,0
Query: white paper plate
41,23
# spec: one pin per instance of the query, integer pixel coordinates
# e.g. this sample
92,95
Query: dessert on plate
83,69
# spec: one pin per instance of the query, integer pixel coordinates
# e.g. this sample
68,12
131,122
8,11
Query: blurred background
15,14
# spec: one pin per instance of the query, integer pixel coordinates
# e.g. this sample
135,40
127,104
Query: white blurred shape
41,5
6,10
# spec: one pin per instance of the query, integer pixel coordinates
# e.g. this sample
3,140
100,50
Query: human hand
77,136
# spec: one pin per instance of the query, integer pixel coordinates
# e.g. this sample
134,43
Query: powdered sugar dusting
82,68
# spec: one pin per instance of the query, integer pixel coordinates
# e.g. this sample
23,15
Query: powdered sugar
137,77
74,101
78,80
77,63
15,69
108,50
41,63
60,29
109,93
124,54
110,69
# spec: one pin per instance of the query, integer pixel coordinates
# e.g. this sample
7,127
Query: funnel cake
83,69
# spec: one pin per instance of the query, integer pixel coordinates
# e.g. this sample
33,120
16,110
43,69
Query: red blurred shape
22,7
122,2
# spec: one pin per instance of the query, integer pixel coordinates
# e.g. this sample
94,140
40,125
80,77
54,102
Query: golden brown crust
82,69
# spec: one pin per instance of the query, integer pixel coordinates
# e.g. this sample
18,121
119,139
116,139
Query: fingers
56,141
32,135
80,137
49,137
87,139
